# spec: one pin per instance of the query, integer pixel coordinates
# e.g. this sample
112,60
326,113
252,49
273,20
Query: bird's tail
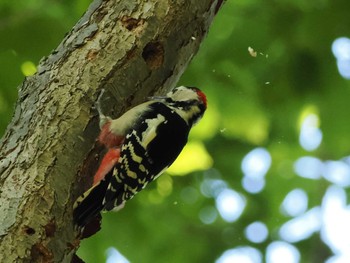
91,203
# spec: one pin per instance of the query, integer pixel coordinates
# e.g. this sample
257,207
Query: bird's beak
157,98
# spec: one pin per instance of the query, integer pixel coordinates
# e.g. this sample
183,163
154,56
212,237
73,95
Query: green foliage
253,102
29,30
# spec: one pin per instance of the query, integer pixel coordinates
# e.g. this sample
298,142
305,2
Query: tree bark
131,48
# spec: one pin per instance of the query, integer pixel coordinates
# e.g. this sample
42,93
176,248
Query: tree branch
132,49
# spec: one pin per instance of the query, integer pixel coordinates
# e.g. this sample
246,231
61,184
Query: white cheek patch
184,94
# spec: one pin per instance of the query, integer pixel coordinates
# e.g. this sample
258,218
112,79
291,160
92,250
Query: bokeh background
266,174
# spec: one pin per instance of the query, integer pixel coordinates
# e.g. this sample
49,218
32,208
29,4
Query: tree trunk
131,48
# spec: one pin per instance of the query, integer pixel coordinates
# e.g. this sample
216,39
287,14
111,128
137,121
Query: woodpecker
142,144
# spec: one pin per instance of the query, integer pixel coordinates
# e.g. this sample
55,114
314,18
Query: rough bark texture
132,48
